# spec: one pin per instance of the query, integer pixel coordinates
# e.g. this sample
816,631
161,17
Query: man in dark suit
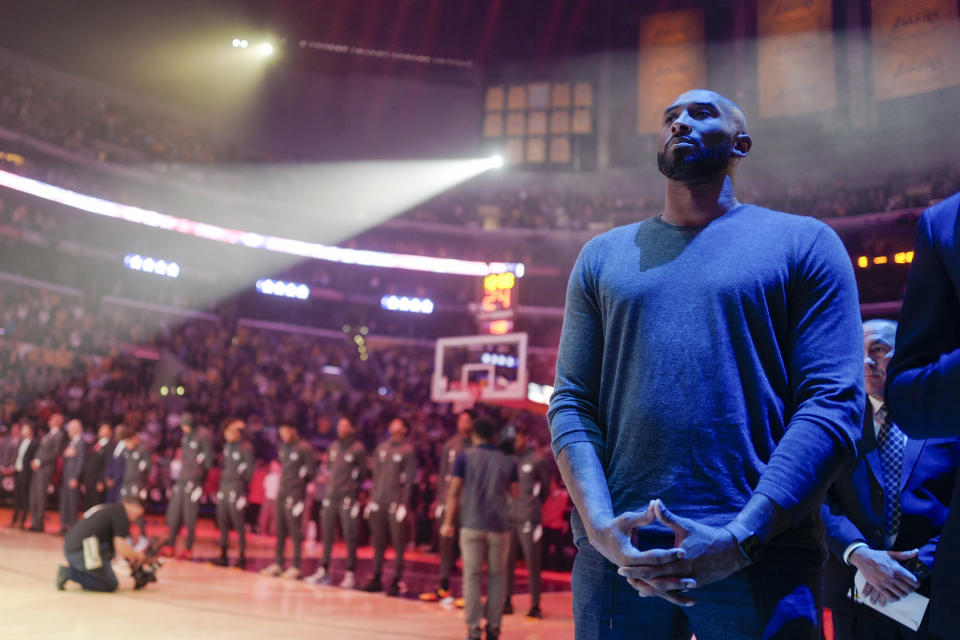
44,465
73,458
116,465
95,467
925,378
884,514
9,440
23,473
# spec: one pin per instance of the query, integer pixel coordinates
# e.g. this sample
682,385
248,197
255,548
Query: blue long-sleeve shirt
707,363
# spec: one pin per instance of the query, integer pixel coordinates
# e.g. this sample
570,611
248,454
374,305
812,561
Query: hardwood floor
196,600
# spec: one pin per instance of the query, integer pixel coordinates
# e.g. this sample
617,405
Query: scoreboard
496,311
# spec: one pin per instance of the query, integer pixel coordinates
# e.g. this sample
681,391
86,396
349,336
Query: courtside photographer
95,540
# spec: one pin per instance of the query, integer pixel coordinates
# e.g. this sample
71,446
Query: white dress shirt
21,454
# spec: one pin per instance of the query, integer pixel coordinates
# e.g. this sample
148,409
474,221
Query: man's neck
694,205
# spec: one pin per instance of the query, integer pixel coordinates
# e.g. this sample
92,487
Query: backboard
484,367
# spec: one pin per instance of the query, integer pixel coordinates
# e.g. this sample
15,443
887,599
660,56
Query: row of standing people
118,464
90,473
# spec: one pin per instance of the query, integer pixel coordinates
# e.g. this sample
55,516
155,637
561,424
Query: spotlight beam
288,246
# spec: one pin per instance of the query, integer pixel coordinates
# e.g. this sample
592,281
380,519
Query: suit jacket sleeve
49,451
925,371
76,463
841,532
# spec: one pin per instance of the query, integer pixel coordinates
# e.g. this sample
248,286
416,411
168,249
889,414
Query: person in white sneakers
348,469
394,466
232,495
297,466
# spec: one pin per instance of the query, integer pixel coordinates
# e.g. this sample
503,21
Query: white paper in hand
907,611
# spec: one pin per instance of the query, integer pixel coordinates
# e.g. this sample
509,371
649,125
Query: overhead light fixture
404,303
283,289
146,264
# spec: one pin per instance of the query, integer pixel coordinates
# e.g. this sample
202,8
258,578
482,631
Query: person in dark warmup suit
136,473
236,473
925,376
297,467
394,465
196,451
526,519
709,389
348,469
448,544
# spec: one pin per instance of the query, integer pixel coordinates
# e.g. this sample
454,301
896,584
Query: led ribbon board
107,208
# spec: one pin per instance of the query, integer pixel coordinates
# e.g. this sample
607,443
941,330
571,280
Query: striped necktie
891,442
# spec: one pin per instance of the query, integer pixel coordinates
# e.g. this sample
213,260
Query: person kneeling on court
92,543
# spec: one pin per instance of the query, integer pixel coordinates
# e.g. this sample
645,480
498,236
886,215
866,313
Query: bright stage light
496,161
236,43
244,44
265,49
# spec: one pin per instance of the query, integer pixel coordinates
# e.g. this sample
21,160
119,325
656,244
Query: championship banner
672,59
916,47
795,65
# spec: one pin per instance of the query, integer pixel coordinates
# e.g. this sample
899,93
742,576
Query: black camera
145,572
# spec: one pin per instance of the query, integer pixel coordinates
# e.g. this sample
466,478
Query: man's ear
742,144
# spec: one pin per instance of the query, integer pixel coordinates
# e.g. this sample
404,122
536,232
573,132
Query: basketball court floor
195,600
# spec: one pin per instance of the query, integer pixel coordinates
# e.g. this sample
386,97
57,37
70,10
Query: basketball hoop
475,390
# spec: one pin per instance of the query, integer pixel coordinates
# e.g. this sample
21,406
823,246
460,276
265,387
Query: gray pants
345,511
183,508
38,496
528,537
134,489
290,522
383,521
448,548
475,546
69,505
230,515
